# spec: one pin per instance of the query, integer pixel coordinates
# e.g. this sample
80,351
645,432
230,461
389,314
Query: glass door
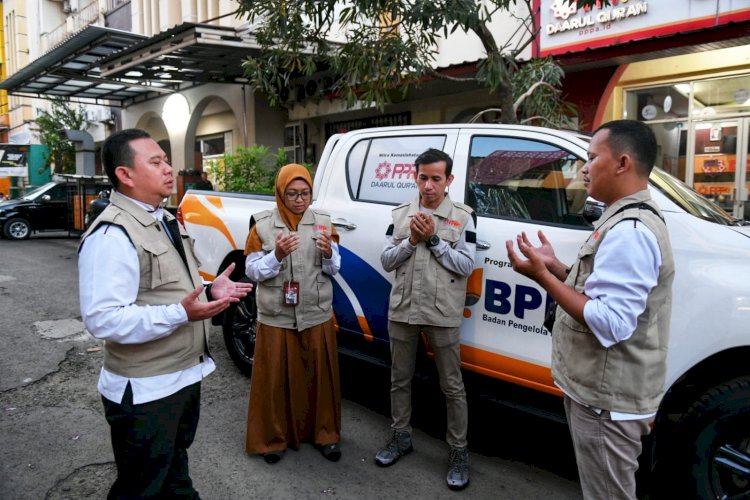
720,163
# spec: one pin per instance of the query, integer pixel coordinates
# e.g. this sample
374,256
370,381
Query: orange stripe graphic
193,213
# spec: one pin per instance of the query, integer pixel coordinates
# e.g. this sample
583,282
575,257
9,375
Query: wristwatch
433,241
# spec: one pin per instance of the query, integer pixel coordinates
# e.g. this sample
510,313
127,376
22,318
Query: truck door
516,181
367,175
51,211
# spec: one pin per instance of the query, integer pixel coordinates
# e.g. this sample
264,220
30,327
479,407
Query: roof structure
100,65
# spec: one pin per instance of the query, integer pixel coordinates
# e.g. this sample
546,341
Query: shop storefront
703,130
682,67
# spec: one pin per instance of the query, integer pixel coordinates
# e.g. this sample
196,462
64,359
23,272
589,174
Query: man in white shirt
140,292
610,336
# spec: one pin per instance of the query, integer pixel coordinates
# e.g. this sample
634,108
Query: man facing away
141,293
609,340
430,246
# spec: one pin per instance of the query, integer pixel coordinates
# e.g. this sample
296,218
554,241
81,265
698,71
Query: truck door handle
349,226
483,245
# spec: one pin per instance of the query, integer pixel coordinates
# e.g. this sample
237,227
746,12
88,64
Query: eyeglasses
292,196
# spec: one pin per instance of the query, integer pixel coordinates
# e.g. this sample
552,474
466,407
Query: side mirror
592,210
45,198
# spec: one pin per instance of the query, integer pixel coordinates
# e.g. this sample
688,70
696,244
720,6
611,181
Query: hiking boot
398,446
458,468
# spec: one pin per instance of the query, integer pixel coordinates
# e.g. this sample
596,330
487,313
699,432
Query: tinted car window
59,192
525,179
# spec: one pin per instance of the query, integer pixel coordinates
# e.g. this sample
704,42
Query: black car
55,206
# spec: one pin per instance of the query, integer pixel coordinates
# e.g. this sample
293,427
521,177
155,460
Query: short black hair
116,151
634,138
433,155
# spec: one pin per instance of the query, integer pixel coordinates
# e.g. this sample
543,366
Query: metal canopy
70,70
117,68
187,53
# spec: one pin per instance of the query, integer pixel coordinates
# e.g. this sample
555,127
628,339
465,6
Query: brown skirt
295,394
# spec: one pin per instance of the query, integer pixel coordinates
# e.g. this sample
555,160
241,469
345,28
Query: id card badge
291,293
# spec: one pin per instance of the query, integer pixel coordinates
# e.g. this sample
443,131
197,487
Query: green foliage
48,123
545,103
249,170
391,46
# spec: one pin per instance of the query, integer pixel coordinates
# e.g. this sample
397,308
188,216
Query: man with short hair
609,340
141,293
430,246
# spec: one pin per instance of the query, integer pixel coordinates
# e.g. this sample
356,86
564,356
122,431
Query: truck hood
12,204
743,230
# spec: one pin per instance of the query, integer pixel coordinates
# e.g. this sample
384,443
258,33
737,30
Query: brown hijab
285,176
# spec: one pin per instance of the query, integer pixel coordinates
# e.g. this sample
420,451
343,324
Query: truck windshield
691,201
36,193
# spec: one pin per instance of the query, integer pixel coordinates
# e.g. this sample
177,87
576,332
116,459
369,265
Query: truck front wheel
715,437
17,229
239,329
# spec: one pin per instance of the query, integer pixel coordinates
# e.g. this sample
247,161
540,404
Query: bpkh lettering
501,298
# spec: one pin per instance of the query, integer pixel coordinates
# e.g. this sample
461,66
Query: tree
49,123
250,170
390,46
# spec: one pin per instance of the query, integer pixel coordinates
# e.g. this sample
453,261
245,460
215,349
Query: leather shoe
398,446
332,452
458,468
272,457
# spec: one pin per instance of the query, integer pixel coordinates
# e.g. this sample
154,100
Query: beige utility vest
304,265
424,292
164,280
629,376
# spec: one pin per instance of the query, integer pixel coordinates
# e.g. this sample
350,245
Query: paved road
55,440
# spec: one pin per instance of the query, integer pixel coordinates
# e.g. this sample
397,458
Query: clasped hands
422,226
224,292
286,244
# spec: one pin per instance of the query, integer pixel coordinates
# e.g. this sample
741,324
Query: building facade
681,66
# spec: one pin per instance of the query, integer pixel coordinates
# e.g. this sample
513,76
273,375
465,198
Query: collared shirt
109,276
625,271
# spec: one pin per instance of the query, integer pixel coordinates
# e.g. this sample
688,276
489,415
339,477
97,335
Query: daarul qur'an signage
567,28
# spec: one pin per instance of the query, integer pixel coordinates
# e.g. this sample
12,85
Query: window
294,142
210,145
382,169
59,192
525,179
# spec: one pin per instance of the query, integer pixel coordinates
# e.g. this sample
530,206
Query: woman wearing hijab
295,395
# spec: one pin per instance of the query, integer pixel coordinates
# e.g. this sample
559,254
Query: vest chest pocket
159,267
585,265
449,234
401,234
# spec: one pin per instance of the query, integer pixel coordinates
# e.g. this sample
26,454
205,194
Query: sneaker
398,446
458,468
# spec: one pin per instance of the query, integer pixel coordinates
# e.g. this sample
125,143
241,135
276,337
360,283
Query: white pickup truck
523,179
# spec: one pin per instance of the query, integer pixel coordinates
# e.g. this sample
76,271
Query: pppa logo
382,170
563,9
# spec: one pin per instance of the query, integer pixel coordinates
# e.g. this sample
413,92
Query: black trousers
150,443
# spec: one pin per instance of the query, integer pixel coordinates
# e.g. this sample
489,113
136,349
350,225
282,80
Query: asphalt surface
55,441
